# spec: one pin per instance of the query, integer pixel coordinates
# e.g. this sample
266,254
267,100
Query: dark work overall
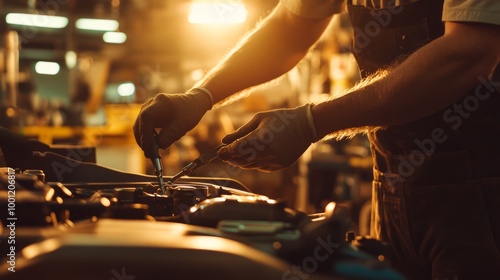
436,189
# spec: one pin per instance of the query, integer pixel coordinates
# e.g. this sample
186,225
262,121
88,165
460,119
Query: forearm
273,48
429,80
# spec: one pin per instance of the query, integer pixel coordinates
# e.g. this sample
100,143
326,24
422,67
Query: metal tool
203,159
156,160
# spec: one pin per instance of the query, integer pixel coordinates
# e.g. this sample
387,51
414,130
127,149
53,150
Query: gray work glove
271,140
174,114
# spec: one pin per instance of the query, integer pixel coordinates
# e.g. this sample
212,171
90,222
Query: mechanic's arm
273,48
432,78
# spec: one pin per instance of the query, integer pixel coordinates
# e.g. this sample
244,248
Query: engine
67,219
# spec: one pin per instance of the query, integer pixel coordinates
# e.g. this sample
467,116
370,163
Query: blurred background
75,72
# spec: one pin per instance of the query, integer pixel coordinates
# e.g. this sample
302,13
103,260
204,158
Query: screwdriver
156,160
203,159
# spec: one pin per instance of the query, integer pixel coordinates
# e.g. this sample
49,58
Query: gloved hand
272,140
174,114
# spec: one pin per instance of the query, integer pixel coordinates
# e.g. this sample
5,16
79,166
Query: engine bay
68,219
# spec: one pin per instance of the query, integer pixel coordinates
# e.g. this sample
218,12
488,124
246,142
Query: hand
272,140
174,114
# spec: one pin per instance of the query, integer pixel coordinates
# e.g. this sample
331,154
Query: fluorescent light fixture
217,12
126,89
114,37
97,24
44,21
47,68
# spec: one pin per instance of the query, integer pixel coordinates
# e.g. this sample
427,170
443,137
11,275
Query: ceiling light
217,12
114,37
97,24
47,68
44,21
71,59
126,89
197,74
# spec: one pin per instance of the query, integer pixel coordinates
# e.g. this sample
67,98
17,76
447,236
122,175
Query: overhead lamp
217,12
47,68
114,37
44,21
126,89
197,74
93,24
71,59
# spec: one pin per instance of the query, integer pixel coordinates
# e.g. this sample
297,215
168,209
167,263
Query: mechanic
429,104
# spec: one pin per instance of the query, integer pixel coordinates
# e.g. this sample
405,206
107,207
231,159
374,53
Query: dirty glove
174,114
272,140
